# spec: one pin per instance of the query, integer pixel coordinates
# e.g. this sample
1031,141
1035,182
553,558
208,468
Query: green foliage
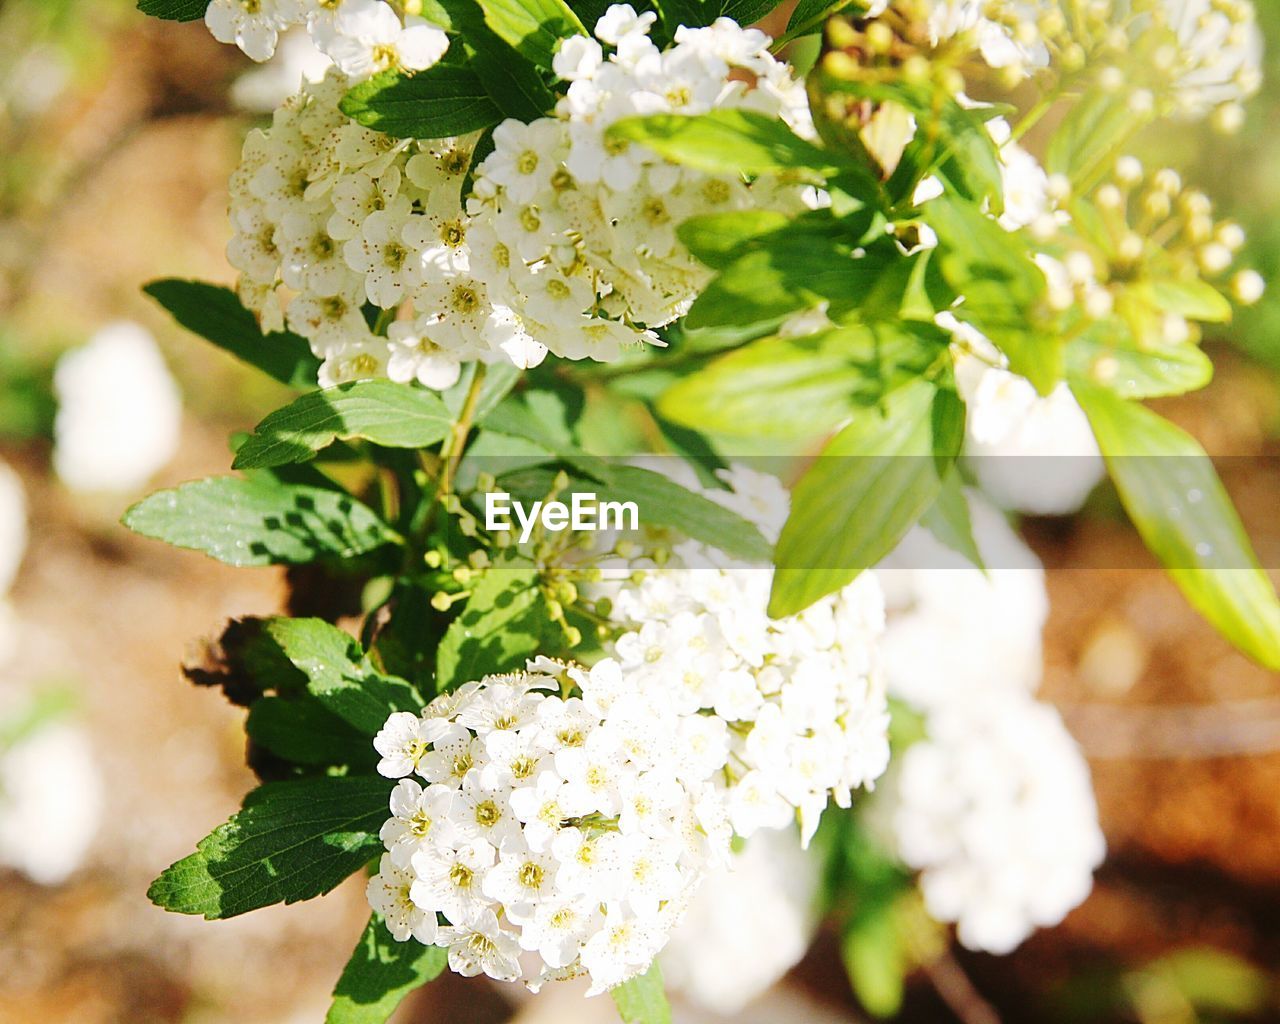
290,841
300,731
801,388
533,28
174,10
513,82
502,625
217,315
338,675
729,141
446,99
642,1000
260,521
949,521
380,973
1115,364
388,414
1175,499
871,483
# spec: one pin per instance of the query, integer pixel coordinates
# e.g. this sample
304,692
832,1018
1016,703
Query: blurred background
117,134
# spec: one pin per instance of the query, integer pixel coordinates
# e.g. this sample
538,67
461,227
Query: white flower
390,894
403,743
51,803
13,526
452,880
119,412
746,926
557,930
1030,452
996,810
521,880
368,37
418,816
482,947
252,25
623,947
296,61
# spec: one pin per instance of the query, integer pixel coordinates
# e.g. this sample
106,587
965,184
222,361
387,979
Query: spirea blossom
746,926
996,810
566,245
802,696
995,806
119,412
362,37
548,823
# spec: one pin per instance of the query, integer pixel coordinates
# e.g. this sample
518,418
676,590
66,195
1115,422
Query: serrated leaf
643,1000
174,10
380,973
869,486
337,675
446,99
1179,506
729,141
260,521
217,315
511,80
301,731
290,841
501,626
949,521
388,414
533,28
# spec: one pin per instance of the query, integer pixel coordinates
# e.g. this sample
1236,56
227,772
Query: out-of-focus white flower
13,526
746,926
297,60
996,810
954,632
1218,57
119,412
1031,452
51,798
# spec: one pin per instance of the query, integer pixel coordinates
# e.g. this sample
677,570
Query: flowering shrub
540,741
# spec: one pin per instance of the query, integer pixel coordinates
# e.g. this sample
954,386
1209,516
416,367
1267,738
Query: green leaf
388,414
444,100
338,675
949,521
1134,373
643,1000
290,841
301,731
533,28
876,958
1191,298
1002,288
500,628
174,10
729,141
1175,499
217,315
869,486
1089,135
794,269
260,521
800,388
663,502
380,973
717,239
512,81
809,14
499,379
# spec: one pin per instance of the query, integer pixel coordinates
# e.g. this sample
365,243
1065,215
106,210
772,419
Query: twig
957,991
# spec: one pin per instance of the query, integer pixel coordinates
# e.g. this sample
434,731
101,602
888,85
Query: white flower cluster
362,37
802,696
567,245
591,221
995,807
571,829
746,926
119,415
